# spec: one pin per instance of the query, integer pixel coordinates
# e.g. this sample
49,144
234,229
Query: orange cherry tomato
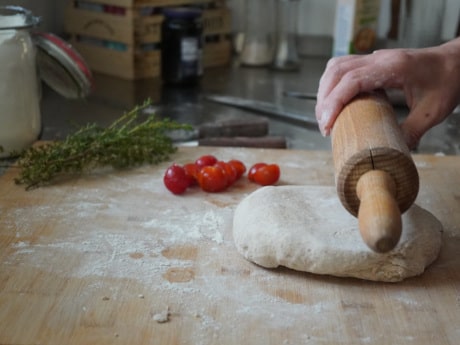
239,167
192,170
230,171
252,171
206,160
267,175
212,178
213,175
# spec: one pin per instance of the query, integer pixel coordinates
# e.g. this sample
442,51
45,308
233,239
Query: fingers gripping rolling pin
376,178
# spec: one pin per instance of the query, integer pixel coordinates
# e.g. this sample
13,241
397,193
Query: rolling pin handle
379,215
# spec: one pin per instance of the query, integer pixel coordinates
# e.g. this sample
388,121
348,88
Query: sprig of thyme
126,143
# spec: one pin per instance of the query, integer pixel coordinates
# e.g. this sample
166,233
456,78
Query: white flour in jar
20,122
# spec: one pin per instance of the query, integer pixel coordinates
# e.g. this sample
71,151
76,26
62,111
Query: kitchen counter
112,96
114,258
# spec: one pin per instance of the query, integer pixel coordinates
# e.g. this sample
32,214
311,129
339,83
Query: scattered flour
124,235
127,243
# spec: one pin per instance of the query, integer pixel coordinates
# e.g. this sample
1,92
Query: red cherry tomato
267,175
254,169
205,160
212,179
192,170
230,171
176,179
239,167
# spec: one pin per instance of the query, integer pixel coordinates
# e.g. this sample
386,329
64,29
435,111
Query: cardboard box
356,23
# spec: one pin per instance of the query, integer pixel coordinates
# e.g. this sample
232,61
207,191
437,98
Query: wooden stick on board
376,178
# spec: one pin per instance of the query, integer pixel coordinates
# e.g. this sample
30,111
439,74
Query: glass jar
20,120
182,46
286,56
259,41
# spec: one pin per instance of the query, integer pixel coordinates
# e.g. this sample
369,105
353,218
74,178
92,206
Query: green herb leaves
128,142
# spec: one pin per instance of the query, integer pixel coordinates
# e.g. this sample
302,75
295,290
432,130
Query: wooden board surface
97,259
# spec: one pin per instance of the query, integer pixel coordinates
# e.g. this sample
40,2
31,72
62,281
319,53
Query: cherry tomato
192,170
230,171
212,179
205,160
239,167
176,179
253,170
267,175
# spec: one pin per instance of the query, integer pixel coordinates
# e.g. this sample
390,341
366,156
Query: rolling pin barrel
376,178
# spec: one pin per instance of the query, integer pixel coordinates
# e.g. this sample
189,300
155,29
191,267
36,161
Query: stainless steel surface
270,109
301,95
114,96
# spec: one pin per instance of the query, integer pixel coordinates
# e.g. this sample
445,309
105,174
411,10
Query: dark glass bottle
182,46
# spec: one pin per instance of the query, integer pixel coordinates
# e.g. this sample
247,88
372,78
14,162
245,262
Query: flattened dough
307,229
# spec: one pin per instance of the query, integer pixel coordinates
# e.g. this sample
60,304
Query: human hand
429,78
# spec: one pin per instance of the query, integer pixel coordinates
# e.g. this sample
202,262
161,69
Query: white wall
316,17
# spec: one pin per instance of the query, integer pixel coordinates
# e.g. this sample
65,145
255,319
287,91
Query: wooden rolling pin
375,175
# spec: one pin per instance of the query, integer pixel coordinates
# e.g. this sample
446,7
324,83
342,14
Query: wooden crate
129,64
216,21
131,28
157,3
217,50
127,45
217,53
116,44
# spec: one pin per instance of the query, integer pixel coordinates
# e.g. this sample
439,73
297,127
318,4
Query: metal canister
182,46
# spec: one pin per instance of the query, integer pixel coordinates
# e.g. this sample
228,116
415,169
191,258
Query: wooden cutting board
101,259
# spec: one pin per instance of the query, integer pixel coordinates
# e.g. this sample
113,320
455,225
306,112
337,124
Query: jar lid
16,17
61,67
182,12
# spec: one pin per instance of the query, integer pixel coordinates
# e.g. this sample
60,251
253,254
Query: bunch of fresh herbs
128,142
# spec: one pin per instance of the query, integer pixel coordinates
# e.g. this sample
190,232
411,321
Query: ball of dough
307,229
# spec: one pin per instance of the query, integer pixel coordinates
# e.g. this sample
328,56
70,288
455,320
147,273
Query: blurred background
122,44
315,19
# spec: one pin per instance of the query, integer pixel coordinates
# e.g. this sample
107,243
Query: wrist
451,54
451,47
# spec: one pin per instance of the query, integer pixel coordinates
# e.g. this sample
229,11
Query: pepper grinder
286,55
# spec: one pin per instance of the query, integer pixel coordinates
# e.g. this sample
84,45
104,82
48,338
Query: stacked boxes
122,38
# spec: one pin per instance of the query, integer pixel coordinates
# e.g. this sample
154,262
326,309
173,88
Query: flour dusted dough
307,229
